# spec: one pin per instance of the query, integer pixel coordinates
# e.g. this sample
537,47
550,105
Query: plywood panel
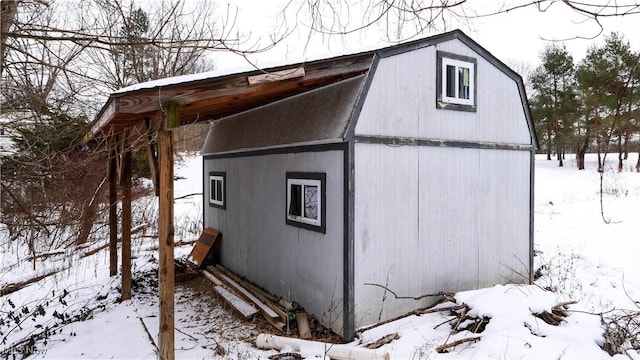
453,219
203,246
387,245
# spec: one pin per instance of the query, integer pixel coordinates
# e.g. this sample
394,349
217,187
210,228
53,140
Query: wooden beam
317,74
126,224
152,156
120,150
165,231
171,115
113,206
276,76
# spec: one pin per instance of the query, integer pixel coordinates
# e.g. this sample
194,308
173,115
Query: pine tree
554,104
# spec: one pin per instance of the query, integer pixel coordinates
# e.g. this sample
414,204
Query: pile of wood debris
246,298
461,319
249,300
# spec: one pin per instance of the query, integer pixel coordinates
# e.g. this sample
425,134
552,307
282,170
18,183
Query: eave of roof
214,98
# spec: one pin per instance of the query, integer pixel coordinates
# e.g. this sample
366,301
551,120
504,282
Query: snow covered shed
414,175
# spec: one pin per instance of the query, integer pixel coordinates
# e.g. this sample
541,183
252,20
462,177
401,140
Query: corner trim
531,213
348,291
355,116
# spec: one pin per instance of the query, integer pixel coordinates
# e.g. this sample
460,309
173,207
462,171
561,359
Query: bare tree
404,19
60,61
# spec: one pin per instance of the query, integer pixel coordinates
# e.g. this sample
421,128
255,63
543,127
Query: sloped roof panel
317,116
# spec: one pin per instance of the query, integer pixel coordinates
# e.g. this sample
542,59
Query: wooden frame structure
144,115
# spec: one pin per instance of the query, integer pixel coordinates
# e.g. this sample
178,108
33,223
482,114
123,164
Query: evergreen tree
554,104
607,77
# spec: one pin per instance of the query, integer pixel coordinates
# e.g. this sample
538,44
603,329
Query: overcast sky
514,37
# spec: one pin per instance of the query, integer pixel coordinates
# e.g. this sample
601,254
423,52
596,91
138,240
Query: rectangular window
456,82
306,200
217,190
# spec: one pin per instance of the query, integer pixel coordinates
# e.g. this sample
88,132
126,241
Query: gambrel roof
215,95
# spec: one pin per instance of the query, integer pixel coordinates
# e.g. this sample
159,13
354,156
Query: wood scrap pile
184,270
460,319
249,300
557,314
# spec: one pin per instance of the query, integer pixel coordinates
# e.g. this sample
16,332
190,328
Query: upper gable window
456,82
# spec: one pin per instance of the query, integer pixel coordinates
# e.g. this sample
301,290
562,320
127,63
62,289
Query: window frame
306,179
221,177
458,61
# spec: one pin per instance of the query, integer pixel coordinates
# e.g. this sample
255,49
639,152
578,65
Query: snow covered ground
580,257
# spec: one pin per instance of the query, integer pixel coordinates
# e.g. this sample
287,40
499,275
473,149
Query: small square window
217,190
305,200
456,82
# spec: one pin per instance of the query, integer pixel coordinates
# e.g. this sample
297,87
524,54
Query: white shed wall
401,101
430,219
297,264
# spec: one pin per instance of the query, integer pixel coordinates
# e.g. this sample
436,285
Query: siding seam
410,141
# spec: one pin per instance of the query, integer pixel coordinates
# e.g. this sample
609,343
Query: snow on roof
246,67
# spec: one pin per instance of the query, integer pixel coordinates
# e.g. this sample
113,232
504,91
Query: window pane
463,83
451,81
295,197
311,202
212,189
219,190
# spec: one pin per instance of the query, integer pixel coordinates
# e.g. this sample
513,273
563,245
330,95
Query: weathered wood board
303,325
266,310
244,308
204,246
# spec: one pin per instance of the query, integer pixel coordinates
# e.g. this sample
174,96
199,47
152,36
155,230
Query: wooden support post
113,210
126,225
152,157
165,230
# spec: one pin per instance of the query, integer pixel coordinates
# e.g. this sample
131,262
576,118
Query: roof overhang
217,97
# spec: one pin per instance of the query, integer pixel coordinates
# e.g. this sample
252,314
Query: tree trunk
8,12
548,145
582,150
620,152
559,156
89,215
638,163
627,137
